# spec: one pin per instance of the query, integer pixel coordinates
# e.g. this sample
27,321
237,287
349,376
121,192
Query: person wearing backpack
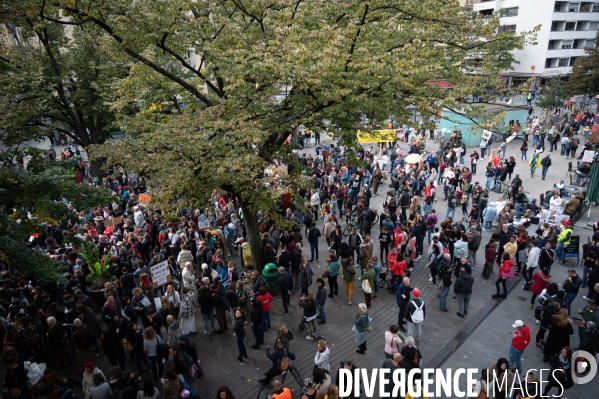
414,316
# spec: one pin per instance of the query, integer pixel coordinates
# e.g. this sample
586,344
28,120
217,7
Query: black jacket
572,287
180,364
285,259
463,285
190,348
313,234
286,282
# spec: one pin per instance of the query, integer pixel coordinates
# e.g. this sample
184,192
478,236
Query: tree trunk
253,235
95,167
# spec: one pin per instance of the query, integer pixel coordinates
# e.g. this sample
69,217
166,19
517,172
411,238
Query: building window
572,61
566,44
570,26
560,6
555,26
509,12
548,62
582,25
585,7
552,45
563,62
595,8
507,28
573,7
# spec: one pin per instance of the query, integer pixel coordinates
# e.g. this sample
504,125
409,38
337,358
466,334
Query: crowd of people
155,327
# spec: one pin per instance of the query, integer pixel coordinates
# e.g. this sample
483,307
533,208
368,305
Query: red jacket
506,267
540,281
522,338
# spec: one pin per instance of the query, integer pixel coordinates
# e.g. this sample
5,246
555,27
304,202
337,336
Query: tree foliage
263,67
553,94
584,78
59,80
33,198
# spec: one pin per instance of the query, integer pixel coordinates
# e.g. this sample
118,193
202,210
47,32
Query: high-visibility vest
564,236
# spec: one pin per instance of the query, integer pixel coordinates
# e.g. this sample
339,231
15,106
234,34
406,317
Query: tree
44,194
58,80
553,94
234,78
584,78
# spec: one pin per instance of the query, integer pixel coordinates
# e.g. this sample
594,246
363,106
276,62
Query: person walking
415,314
313,235
535,162
240,334
305,276
321,359
368,288
463,291
321,299
309,306
286,287
506,271
362,326
348,277
545,163
333,270
540,280
520,340
402,295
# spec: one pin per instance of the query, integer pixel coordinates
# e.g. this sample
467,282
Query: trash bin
270,273
246,255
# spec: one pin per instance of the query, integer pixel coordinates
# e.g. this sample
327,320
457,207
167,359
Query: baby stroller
384,278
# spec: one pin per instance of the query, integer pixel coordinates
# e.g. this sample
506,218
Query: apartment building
567,27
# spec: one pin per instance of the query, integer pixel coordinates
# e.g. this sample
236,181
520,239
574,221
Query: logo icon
586,367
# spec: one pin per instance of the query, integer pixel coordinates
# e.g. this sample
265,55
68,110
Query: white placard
486,134
160,274
157,304
588,156
513,136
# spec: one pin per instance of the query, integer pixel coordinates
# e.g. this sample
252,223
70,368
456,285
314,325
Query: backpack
186,391
540,312
418,315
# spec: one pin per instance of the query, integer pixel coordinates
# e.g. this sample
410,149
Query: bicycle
266,390
350,225
585,106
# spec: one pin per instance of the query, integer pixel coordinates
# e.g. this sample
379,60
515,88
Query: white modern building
566,28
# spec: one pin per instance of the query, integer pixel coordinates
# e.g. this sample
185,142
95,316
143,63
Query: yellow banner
377,136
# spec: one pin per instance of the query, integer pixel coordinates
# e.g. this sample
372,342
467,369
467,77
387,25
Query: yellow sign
377,136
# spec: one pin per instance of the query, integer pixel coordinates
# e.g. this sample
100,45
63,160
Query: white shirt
555,203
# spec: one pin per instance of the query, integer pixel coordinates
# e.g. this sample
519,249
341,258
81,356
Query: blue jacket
276,357
402,290
489,214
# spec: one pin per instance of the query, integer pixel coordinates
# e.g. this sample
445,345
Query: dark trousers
540,334
270,374
120,361
153,361
221,316
241,346
503,282
334,287
285,298
258,334
402,313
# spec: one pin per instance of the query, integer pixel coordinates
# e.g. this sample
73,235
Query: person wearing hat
89,370
520,340
415,314
563,240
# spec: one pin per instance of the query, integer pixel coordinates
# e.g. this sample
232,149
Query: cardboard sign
588,156
144,198
283,170
160,274
113,221
486,134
